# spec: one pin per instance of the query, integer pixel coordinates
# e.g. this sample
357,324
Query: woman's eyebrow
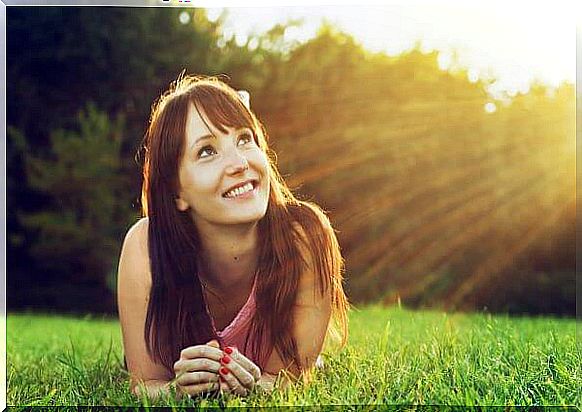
211,136
204,137
243,129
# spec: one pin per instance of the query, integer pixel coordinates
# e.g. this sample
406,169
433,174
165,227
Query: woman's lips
244,196
245,191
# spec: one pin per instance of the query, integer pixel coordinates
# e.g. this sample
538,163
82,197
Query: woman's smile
245,190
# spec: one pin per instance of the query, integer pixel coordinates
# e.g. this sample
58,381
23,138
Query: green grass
394,356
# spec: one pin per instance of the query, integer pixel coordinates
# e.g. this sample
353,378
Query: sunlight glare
228,33
473,75
253,44
184,17
241,39
212,14
444,60
502,40
297,33
490,107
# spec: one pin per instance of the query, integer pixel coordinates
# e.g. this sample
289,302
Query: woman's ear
181,204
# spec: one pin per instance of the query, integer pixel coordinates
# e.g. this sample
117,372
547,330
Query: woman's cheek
263,161
199,181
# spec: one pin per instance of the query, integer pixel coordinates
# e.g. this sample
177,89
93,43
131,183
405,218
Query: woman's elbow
150,388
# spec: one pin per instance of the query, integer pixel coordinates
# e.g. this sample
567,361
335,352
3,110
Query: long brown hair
177,314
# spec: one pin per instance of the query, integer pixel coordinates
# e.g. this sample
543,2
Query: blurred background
440,140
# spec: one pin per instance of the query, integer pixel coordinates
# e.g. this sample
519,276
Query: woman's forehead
199,125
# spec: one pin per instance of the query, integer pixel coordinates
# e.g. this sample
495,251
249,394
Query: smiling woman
228,280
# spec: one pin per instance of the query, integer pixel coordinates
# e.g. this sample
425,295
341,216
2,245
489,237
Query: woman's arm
152,388
133,288
311,316
197,369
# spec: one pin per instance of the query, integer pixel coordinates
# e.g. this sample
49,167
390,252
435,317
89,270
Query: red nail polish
221,379
225,359
223,371
228,350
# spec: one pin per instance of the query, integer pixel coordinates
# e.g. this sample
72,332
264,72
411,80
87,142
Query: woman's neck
230,254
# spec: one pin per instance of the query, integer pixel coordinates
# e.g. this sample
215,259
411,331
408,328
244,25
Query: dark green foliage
80,230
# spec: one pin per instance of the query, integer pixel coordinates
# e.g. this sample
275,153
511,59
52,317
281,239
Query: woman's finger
243,376
194,378
201,351
245,362
233,383
194,365
199,388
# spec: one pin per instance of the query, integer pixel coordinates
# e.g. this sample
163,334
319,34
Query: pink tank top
235,333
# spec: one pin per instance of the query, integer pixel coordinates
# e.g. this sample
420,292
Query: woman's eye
245,138
206,151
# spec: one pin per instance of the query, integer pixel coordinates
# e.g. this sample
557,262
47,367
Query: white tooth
240,190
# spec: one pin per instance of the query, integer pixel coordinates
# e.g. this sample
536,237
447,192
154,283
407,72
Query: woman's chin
247,218
241,215
244,211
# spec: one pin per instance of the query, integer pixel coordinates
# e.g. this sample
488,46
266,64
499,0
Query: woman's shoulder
310,221
134,262
139,230
312,229
136,237
317,243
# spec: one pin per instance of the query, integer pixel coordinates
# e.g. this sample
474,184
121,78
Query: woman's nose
236,163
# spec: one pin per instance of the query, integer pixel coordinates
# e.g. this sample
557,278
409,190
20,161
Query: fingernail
225,359
221,379
223,371
228,350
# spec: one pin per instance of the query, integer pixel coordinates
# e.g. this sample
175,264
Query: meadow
394,356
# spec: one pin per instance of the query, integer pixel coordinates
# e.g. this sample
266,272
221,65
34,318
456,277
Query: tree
79,233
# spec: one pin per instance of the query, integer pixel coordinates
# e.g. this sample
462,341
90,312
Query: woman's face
224,178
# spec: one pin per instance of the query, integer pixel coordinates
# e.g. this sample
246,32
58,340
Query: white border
3,334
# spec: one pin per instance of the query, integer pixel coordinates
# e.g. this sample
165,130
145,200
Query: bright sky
515,41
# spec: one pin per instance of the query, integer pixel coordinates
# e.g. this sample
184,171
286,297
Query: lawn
394,356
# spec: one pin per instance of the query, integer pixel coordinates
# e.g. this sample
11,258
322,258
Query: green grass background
394,356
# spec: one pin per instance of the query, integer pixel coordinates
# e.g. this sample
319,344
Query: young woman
228,279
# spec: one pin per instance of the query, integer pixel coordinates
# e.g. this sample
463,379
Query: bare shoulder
319,228
134,260
139,231
302,241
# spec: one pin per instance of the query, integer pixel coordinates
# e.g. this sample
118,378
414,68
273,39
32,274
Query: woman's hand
197,369
238,374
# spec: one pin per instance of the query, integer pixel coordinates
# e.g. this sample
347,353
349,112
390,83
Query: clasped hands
207,368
